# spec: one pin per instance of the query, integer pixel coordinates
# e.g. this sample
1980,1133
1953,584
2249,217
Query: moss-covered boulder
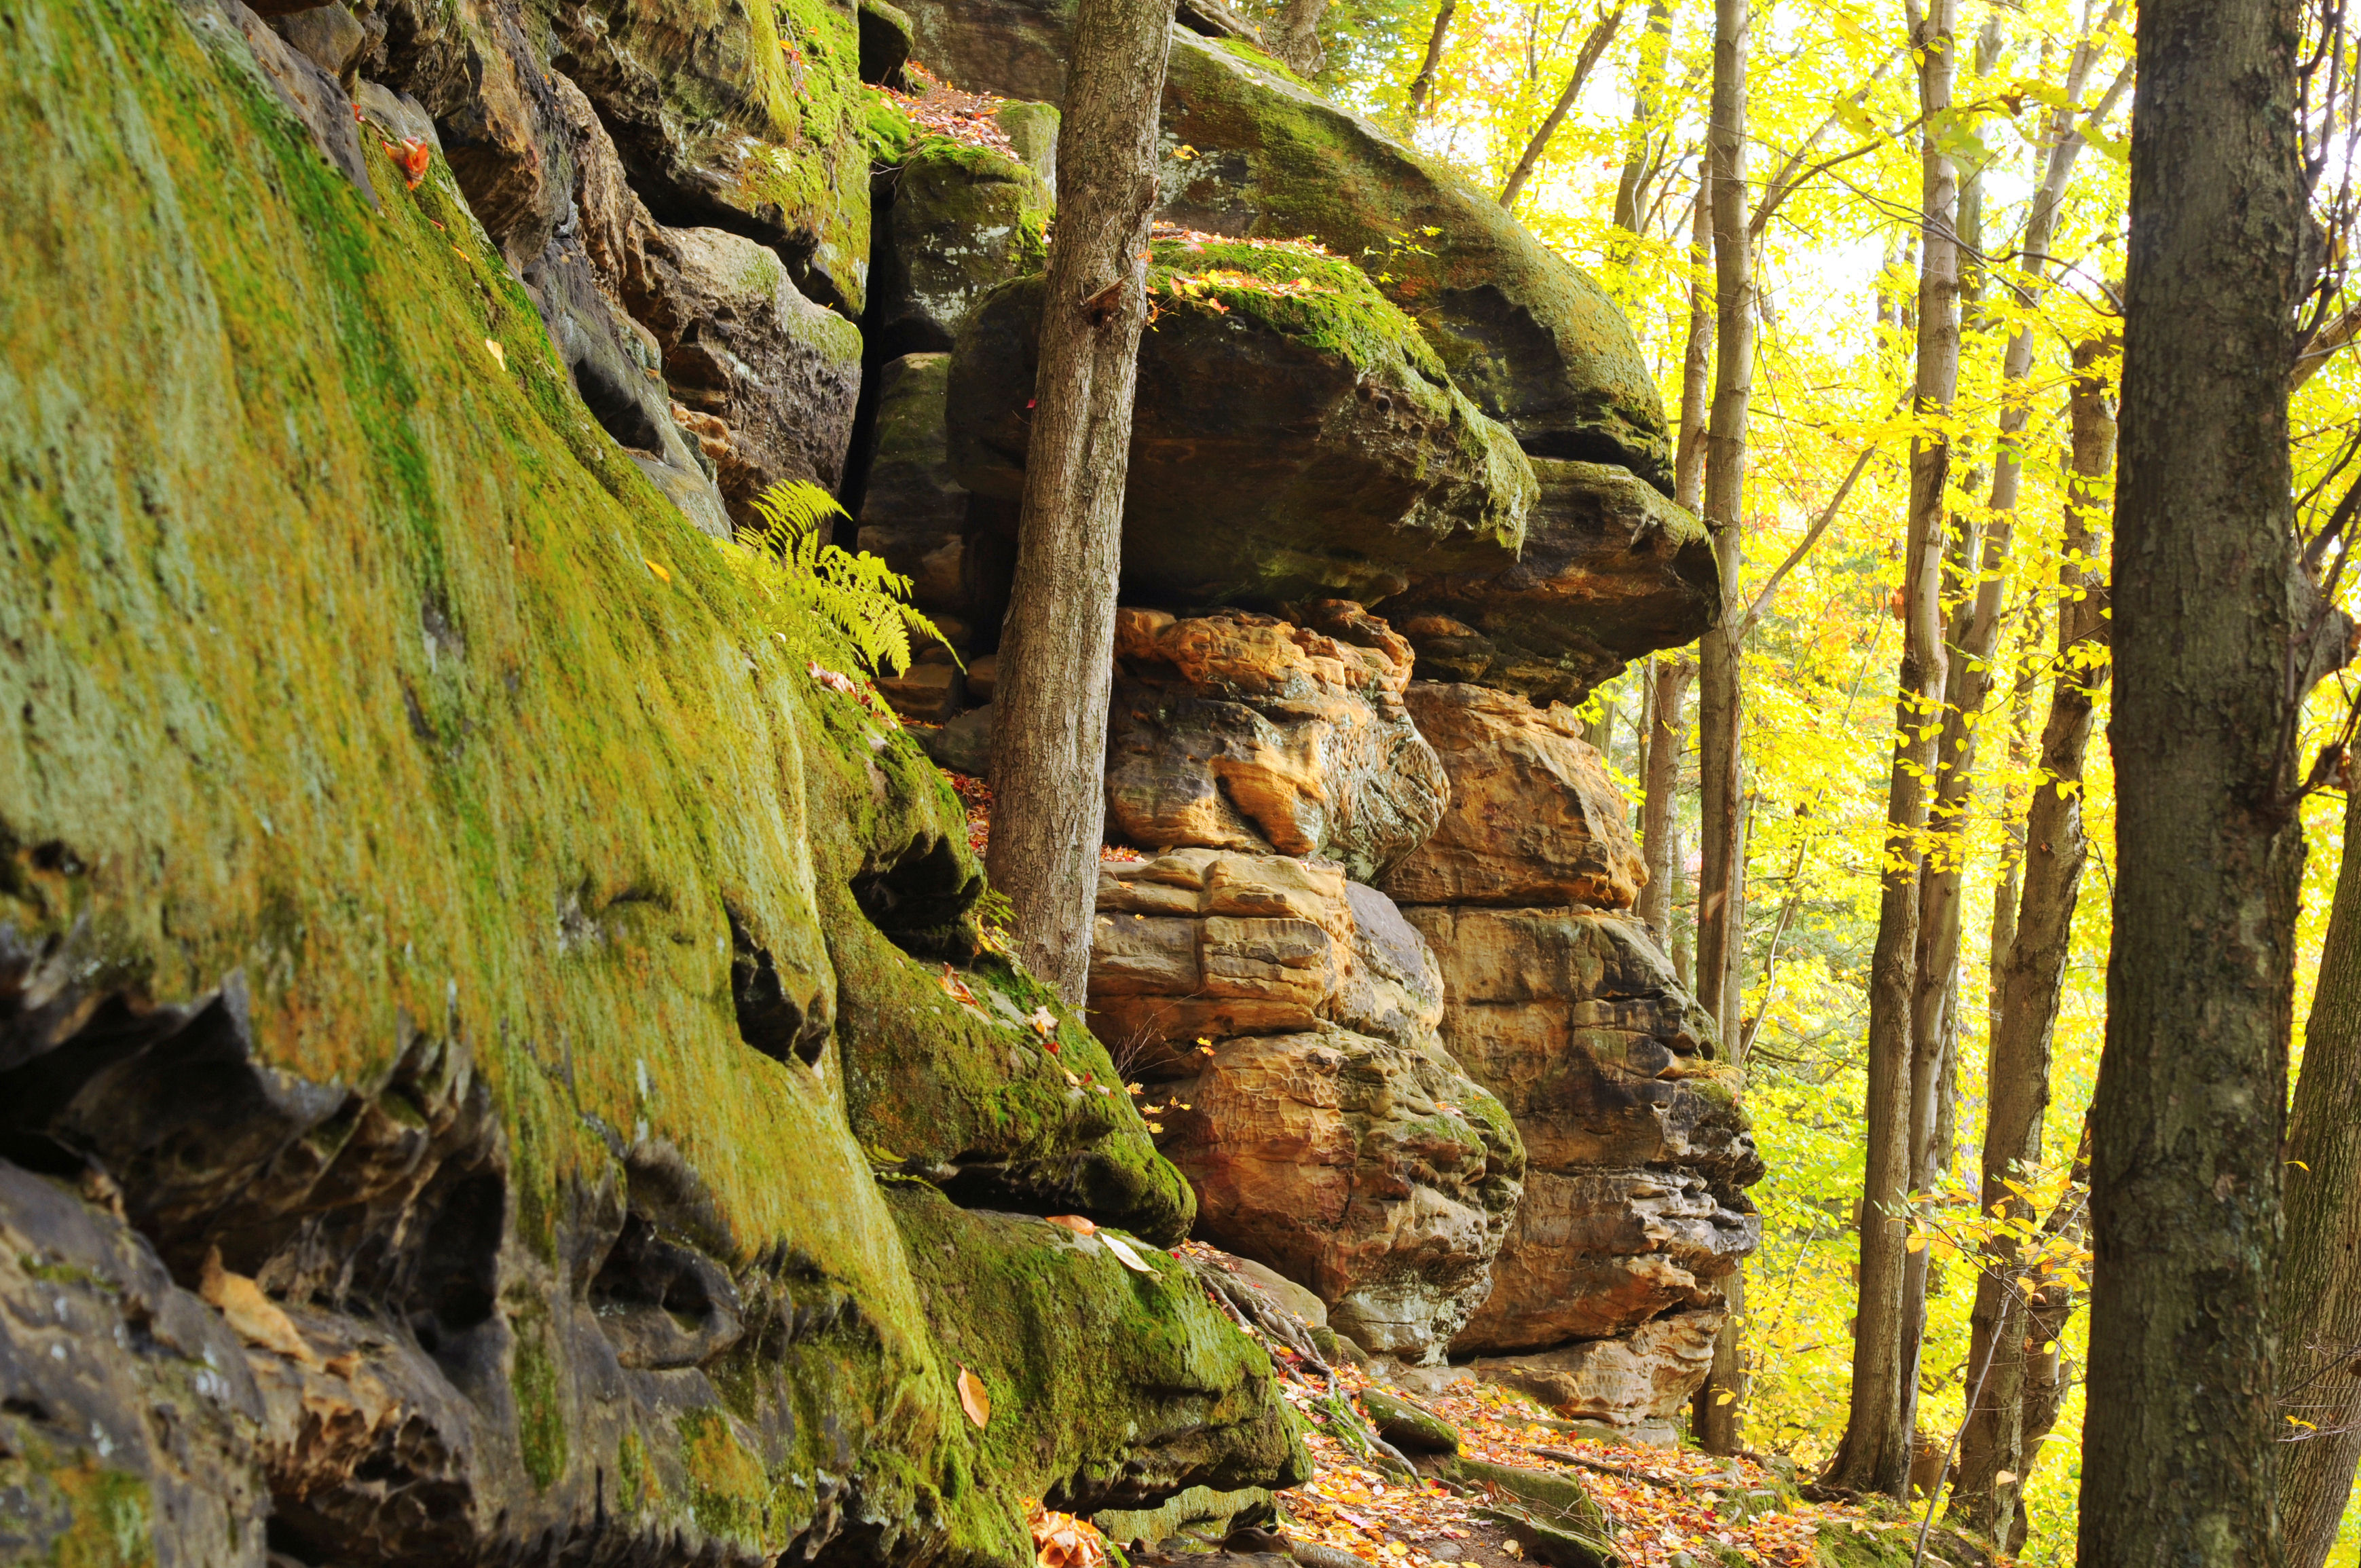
1525,334
1294,434
959,220
750,117
441,920
1611,571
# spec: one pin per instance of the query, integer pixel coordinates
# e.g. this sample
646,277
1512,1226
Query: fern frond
833,603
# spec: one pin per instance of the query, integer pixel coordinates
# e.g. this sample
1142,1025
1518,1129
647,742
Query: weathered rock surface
1530,337
1234,731
1202,942
771,376
1611,571
1532,821
1293,436
1638,1150
1325,1132
505,1040
1636,1385
1362,1168
961,222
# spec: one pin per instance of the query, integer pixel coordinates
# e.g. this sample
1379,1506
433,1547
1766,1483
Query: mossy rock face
1293,434
748,117
1611,571
962,221
1528,335
1408,1426
1069,1342
420,868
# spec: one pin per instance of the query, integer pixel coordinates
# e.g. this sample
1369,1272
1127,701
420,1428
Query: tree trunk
1057,650
2319,1287
1697,353
1876,1454
2032,975
1422,86
1716,1425
1647,102
1295,38
1594,45
1667,734
2213,627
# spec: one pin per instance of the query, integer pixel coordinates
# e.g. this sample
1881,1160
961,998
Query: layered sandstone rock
1534,819
1638,1384
1286,1018
1234,730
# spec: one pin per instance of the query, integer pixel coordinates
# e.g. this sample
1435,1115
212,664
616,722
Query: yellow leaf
1914,1243
974,1397
1123,1254
2005,1477
661,574
498,354
2301,1165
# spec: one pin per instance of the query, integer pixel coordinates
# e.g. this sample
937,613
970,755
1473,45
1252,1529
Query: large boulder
920,522
1611,571
1293,436
1374,1173
1286,1018
768,378
1534,819
750,119
469,1084
1232,730
961,220
1638,1150
1249,149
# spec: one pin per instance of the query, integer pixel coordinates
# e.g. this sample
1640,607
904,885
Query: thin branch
1601,35
1811,536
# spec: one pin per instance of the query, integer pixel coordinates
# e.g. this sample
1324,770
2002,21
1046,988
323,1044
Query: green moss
886,131
1337,309
541,1409
86,1514
1261,59
636,1484
728,1492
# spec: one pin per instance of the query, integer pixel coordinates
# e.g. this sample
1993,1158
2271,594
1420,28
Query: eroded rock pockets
462,1094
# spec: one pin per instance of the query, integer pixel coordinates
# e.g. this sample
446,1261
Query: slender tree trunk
1684,925
1996,1442
1876,1454
1594,45
1697,351
1057,650
1716,1421
1295,36
1647,103
1667,732
2212,624
1422,86
2319,1302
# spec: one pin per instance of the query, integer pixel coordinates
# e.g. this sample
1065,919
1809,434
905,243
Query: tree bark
1876,1454
2318,1286
2211,619
1697,353
1594,45
1422,86
1717,1420
2032,975
1647,102
1667,732
1057,650
1295,38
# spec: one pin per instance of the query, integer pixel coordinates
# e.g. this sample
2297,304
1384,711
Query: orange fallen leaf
974,1397
1075,1223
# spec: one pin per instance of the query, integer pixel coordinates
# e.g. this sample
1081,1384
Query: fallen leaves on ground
934,105
975,797
1061,1540
1664,1503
